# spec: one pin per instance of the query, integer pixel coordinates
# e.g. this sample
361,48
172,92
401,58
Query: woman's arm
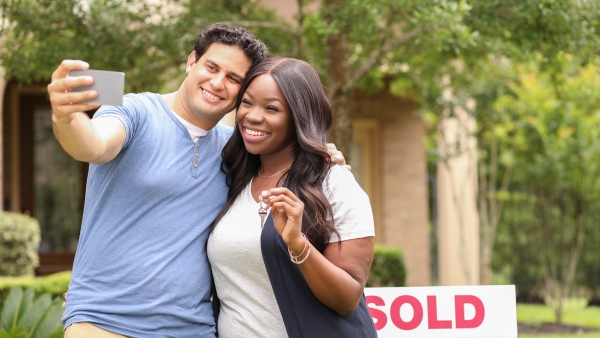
338,276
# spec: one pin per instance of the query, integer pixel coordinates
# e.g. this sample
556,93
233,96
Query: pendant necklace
275,174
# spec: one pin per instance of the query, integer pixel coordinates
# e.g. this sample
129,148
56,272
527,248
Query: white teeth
210,96
255,132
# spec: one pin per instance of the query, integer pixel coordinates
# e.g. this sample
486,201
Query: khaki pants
87,330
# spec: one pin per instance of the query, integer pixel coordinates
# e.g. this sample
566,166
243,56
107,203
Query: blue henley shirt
141,268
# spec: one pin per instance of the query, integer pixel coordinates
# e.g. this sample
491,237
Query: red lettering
434,323
395,313
379,316
459,308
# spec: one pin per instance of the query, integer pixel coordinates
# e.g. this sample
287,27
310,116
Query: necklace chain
275,174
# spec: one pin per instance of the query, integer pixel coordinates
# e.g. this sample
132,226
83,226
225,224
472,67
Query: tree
509,32
147,40
360,42
107,33
563,174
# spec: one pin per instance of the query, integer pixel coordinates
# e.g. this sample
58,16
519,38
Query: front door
39,178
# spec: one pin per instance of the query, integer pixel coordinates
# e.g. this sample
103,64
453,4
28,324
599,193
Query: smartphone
109,85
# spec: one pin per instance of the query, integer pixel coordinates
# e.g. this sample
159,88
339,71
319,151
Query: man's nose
218,81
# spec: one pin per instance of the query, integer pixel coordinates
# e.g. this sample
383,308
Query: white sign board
444,311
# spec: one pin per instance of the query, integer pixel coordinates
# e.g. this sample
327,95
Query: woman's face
264,118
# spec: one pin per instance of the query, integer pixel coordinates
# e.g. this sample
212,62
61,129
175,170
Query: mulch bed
552,328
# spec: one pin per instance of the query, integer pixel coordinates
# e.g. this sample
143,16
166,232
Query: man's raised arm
86,140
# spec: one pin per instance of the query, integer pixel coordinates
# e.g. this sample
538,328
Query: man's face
212,84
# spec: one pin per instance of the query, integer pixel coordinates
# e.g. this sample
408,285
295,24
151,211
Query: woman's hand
287,210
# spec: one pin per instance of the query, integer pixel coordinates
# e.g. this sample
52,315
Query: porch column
458,220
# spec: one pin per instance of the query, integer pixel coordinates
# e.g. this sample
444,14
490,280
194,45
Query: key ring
262,204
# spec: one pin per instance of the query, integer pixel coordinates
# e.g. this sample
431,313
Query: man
154,186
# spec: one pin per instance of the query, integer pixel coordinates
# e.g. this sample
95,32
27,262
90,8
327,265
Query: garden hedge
19,241
55,284
388,268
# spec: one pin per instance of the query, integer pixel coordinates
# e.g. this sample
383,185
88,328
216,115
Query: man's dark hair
231,36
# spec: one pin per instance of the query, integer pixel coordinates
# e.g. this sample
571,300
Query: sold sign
444,311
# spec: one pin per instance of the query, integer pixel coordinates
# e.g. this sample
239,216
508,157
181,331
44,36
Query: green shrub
24,316
19,241
388,268
55,284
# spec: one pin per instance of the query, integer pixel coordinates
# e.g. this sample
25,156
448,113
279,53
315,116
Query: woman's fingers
279,191
274,195
277,200
290,210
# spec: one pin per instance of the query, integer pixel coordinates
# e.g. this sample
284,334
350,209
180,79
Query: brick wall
403,191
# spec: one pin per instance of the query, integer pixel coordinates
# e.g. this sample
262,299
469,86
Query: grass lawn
565,335
575,313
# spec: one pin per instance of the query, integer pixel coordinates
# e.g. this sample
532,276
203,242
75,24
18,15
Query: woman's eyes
247,102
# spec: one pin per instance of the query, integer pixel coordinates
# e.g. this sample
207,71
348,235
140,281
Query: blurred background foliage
527,71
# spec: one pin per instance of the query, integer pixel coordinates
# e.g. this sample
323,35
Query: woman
303,275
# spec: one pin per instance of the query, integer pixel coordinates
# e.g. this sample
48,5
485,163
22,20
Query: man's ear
190,62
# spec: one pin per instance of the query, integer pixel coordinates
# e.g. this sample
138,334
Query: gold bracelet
296,261
302,253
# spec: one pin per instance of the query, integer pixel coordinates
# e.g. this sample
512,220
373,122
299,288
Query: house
388,160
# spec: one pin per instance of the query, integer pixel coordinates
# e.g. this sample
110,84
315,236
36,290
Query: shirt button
197,144
195,165
196,154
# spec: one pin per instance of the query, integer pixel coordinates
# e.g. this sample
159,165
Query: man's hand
65,103
86,140
337,156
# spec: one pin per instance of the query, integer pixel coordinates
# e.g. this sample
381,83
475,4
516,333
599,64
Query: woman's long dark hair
312,114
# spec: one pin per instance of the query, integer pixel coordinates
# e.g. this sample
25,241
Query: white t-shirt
248,304
195,132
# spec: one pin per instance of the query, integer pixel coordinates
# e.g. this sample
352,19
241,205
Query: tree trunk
559,311
338,71
2,88
490,208
342,124
484,221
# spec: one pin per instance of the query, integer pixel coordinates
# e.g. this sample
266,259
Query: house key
262,212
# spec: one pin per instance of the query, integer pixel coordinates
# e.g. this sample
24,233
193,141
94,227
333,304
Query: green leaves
148,40
15,332
12,308
22,317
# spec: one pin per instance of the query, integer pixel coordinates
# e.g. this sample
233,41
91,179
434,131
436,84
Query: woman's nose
254,115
